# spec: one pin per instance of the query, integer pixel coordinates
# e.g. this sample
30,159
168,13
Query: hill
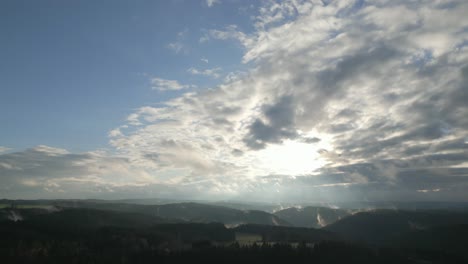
79,218
384,226
311,216
188,212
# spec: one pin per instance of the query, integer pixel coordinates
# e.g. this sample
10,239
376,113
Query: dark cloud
365,62
310,140
459,97
279,124
237,152
342,127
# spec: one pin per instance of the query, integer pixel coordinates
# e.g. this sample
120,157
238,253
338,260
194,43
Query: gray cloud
279,124
44,171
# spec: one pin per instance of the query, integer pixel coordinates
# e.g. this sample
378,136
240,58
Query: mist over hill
315,217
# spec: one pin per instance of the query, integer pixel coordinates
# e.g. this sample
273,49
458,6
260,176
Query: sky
273,101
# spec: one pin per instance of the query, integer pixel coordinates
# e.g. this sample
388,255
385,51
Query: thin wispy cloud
213,73
168,85
211,3
179,46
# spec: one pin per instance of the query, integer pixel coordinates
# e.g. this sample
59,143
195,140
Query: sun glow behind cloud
290,158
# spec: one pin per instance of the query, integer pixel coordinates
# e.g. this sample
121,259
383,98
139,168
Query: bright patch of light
291,158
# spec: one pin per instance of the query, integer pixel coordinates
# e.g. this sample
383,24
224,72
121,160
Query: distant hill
384,226
266,207
188,212
311,216
117,233
203,213
80,218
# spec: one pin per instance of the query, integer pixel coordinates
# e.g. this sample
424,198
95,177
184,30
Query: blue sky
295,100
72,70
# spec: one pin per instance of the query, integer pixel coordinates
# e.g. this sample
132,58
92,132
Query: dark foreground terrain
94,232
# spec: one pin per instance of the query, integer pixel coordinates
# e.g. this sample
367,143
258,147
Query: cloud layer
344,100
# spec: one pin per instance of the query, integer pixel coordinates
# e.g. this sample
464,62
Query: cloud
46,171
4,149
204,39
179,45
115,133
213,73
211,3
425,191
330,69
340,101
168,85
231,32
383,100
278,125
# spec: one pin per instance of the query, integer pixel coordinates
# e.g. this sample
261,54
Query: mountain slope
382,226
81,218
203,213
452,239
189,212
311,216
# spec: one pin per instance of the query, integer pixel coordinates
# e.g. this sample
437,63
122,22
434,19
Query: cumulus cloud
375,86
342,101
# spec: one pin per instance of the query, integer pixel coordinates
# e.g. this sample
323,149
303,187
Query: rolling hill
188,212
311,216
384,226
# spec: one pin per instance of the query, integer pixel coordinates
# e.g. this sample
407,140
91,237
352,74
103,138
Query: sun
291,158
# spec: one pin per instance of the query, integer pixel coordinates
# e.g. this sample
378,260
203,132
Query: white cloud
49,151
210,3
352,77
167,85
426,191
180,46
177,46
231,32
115,133
204,39
213,73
